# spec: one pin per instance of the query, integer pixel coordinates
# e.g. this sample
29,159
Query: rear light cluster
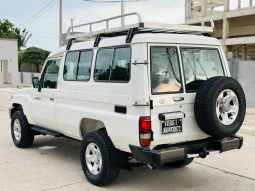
145,131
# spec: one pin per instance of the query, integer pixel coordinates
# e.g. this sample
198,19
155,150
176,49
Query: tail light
145,131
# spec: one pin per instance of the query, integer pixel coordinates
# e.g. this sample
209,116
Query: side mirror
36,82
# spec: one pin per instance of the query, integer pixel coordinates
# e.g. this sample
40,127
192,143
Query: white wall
26,77
9,51
244,72
246,77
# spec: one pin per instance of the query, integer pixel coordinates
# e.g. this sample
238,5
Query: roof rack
130,30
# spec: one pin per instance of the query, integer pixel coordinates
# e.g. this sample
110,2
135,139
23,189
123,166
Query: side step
45,131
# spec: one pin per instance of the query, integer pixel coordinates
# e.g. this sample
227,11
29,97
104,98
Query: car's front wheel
97,158
22,135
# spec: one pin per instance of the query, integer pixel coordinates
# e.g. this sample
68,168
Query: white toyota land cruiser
157,93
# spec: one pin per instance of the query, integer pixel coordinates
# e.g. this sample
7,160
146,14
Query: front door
44,101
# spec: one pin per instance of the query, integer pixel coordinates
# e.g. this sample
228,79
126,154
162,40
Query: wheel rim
93,158
227,107
17,130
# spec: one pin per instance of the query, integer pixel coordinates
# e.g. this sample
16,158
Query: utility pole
60,22
122,13
72,19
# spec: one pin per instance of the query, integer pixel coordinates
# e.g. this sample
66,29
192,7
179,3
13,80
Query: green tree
33,57
8,30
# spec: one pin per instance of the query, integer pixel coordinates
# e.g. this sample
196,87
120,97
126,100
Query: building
234,23
235,26
9,73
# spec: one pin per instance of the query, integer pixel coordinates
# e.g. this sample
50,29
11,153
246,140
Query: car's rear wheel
97,158
22,135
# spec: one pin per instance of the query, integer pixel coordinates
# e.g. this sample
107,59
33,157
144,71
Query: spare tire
220,107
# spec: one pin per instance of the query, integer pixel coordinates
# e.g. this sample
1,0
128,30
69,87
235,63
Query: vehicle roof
145,38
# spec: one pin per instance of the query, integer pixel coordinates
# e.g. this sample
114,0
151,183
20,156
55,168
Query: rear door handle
37,98
178,98
52,99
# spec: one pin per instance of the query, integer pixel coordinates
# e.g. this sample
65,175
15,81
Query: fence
244,72
26,77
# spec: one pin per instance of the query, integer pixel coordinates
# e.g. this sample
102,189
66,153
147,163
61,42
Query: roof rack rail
131,29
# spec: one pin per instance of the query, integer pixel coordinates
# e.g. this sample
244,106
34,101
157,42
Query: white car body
76,106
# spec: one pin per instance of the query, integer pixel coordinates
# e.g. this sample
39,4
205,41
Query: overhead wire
112,1
38,14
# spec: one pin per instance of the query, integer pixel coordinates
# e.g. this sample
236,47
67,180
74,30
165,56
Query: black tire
27,137
180,163
205,107
109,171
200,99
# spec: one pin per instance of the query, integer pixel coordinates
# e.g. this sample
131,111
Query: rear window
113,65
200,64
165,71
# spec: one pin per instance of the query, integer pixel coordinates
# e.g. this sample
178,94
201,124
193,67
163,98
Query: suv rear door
172,116
170,103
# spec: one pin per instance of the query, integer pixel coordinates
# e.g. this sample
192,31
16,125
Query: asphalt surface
53,164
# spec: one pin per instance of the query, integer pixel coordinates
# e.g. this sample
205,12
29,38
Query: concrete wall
26,77
9,61
244,72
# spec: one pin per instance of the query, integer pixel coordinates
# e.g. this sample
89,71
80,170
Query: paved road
53,164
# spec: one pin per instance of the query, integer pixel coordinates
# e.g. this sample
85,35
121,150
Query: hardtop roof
157,38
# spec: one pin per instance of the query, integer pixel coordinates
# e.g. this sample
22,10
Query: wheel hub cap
93,158
17,130
227,107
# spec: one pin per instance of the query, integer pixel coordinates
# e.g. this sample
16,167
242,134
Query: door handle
52,99
37,98
178,98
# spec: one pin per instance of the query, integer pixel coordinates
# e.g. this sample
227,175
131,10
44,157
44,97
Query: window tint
103,64
121,65
84,67
71,66
78,65
50,74
113,65
165,71
199,65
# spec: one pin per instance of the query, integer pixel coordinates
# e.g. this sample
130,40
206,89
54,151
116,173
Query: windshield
200,64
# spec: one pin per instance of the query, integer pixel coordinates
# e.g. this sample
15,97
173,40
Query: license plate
172,126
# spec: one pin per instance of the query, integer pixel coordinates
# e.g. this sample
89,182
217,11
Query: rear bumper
169,153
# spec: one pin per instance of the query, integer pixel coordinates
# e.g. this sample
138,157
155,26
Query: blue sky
45,29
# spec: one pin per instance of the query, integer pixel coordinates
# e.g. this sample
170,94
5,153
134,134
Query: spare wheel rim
227,107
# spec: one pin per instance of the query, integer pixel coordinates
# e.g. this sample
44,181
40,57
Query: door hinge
151,104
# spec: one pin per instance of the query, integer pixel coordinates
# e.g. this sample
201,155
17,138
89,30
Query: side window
113,65
103,64
84,67
71,66
121,65
49,77
200,64
78,65
165,70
